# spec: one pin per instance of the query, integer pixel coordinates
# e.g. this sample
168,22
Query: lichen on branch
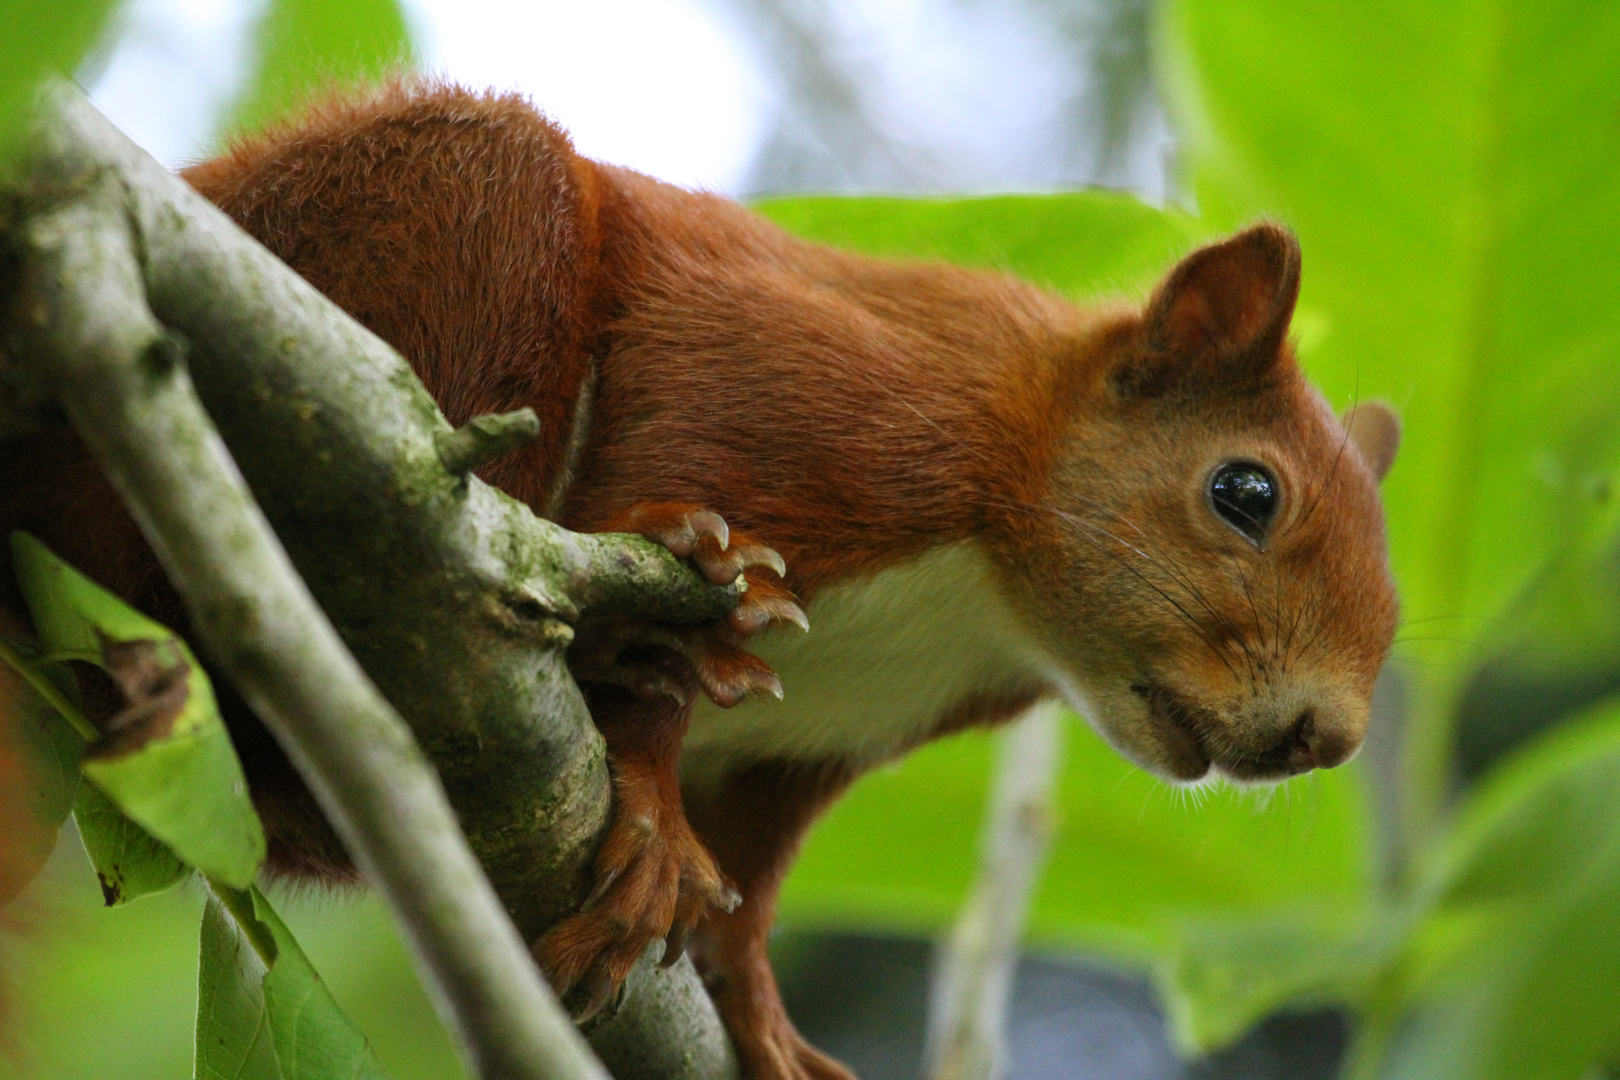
291,473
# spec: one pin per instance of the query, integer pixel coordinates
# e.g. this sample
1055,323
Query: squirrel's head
1212,578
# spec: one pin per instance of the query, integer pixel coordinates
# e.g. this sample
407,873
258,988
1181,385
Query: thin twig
973,980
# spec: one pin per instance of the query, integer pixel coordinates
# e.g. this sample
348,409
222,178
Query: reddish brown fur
16,815
853,414
874,375
463,229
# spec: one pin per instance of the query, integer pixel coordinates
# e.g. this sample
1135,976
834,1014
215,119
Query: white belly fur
885,659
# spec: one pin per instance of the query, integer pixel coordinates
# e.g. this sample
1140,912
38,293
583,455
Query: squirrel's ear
1221,315
1376,430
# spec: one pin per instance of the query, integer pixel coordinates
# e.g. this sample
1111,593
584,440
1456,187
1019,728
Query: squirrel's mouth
1183,728
1187,731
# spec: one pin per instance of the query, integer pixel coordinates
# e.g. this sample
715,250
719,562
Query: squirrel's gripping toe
765,602
700,535
649,659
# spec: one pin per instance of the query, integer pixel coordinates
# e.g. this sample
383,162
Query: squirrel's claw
605,995
604,883
703,536
761,607
729,675
690,910
674,944
651,659
723,565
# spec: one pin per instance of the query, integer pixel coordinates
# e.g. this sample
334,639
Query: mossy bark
455,600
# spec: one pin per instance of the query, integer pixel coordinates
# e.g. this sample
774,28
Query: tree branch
454,599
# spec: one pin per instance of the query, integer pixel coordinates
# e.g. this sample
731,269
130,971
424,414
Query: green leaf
233,1027
39,777
1526,889
1224,975
1081,244
166,760
304,47
262,1011
1553,653
130,862
43,36
189,792
1453,171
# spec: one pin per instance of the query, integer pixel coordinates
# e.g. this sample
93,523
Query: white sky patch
982,85
663,86
670,87
177,65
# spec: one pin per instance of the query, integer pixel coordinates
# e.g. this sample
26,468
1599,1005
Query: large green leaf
1086,243
1225,974
166,760
1558,651
303,47
262,1011
1453,171
1505,965
1131,856
233,1032
133,971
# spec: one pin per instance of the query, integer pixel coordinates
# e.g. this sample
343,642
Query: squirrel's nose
1318,741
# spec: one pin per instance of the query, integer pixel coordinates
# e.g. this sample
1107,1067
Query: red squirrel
980,494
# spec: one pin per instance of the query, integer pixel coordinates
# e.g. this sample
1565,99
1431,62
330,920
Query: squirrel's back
461,228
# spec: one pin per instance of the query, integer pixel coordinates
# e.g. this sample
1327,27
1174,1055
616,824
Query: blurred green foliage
1521,928
1453,171
39,37
164,796
1085,244
303,47
131,973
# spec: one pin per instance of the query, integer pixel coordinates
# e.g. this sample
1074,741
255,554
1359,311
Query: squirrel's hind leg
654,878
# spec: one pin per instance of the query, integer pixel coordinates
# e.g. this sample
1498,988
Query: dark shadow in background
864,1000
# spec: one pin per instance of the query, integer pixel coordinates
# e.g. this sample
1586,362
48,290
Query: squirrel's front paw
654,879
645,658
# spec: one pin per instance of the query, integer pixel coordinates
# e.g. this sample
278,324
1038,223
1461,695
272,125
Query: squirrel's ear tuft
1222,314
1376,430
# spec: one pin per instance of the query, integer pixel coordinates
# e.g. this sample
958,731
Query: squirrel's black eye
1245,496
